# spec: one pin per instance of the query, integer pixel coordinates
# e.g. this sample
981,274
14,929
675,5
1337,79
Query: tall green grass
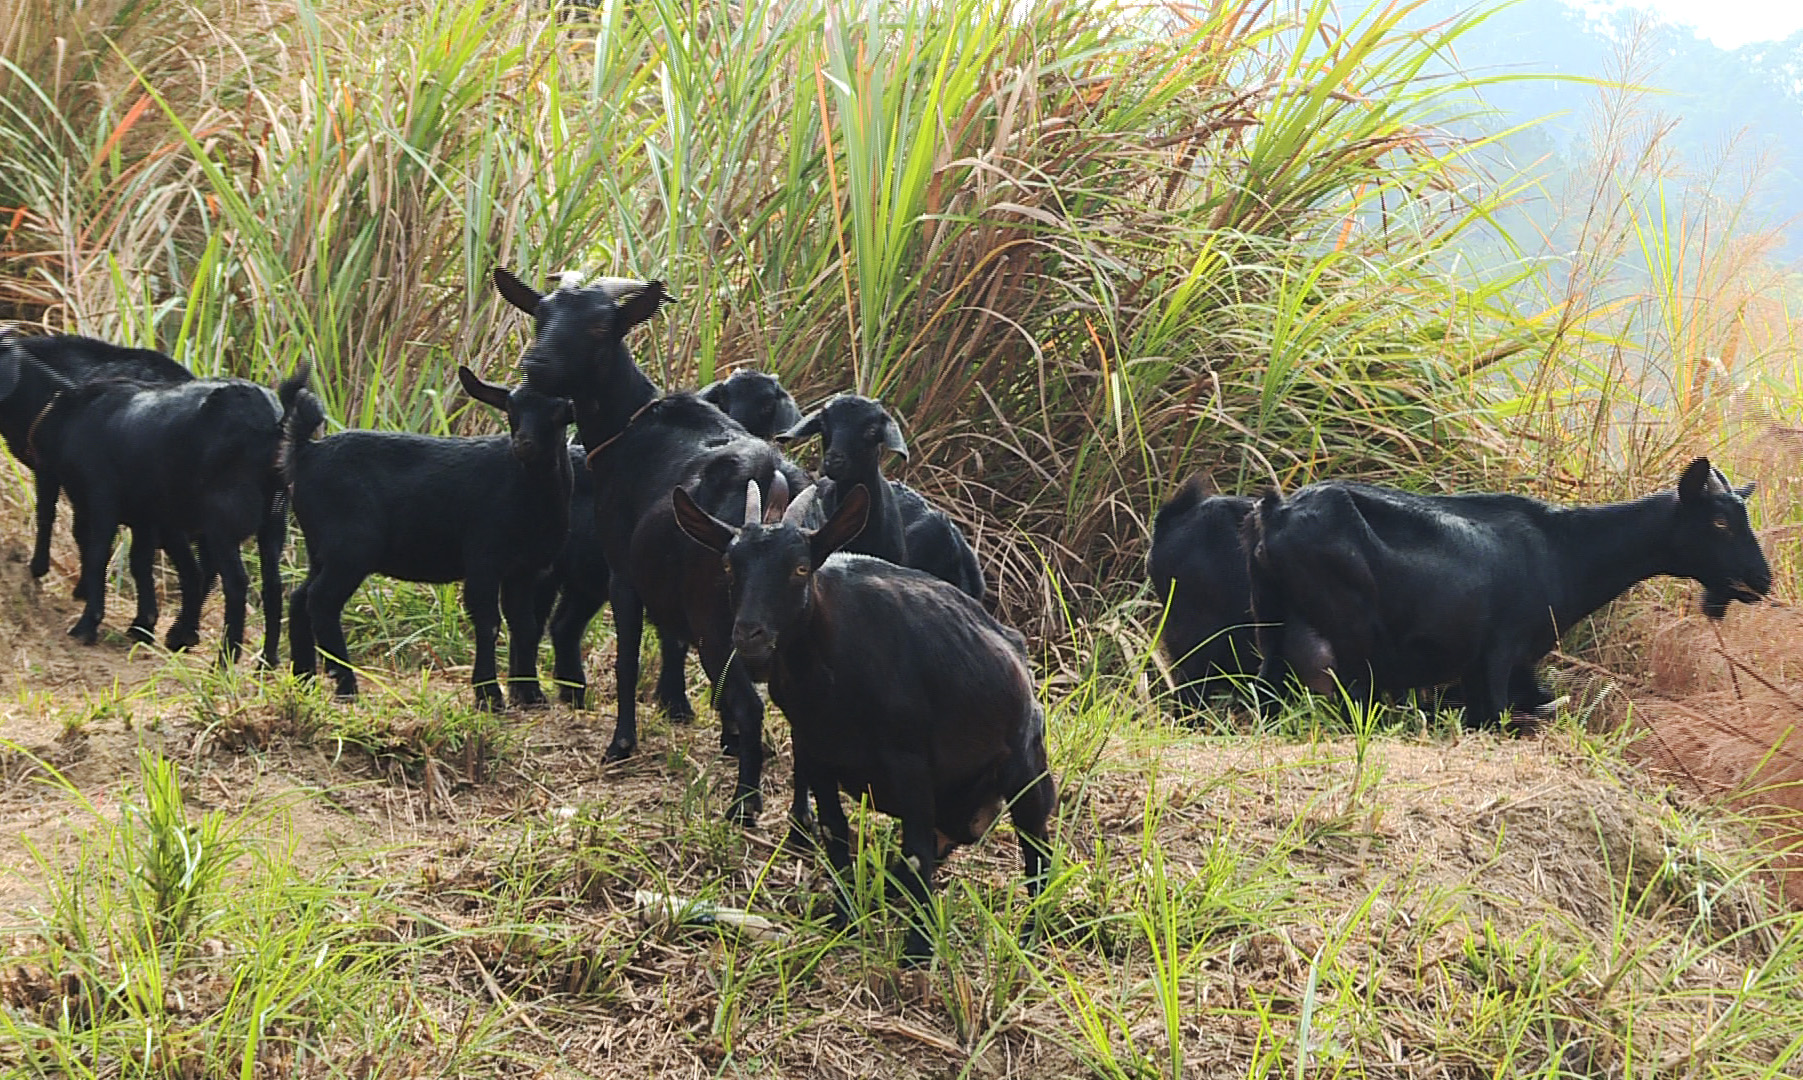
1081,248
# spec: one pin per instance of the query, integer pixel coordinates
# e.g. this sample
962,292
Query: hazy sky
1728,23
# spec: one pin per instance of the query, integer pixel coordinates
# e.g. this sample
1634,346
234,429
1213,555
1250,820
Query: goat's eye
1721,523
801,570
726,567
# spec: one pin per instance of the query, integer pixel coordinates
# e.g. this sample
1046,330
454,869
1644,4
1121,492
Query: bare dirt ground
1515,833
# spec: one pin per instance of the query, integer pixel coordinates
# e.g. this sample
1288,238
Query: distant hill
1750,98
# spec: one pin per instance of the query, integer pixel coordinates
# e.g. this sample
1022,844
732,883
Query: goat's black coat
1198,565
1410,590
756,399
896,685
639,447
854,433
70,359
581,578
491,512
194,458
936,545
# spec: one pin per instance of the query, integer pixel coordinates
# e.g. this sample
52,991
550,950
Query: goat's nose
752,640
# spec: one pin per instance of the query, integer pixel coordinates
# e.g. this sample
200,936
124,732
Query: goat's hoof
142,631
917,950
39,567
181,637
800,838
85,632
745,809
620,750
528,697
678,710
345,691
572,695
490,702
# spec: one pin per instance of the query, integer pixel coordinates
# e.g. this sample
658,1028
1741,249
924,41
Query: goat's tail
301,416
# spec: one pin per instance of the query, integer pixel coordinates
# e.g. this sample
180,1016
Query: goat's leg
234,581
741,710
629,626
1268,631
272,536
672,681
835,832
519,604
303,656
102,524
327,592
569,622
142,558
184,632
48,490
1486,692
912,775
1035,796
801,821
480,601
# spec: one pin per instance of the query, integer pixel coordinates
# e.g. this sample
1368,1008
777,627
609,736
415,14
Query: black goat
639,446
854,431
757,400
580,580
491,512
936,545
1406,590
1198,567
195,459
896,685
72,359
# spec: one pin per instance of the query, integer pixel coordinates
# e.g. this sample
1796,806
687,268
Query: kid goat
490,512
896,685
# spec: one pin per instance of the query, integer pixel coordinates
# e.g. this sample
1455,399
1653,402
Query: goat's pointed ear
485,392
1694,484
1745,491
806,429
892,438
844,526
707,530
516,292
643,304
10,364
714,394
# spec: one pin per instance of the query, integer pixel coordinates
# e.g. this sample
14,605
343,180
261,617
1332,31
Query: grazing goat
491,512
640,445
896,685
187,459
30,390
1198,568
854,431
581,578
1404,590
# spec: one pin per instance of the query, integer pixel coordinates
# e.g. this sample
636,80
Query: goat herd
857,603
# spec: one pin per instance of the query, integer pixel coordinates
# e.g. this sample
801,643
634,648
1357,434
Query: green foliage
1081,249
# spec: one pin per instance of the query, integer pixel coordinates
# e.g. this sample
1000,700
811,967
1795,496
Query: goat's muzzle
754,644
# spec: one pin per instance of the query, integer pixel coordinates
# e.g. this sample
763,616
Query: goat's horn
779,498
754,503
797,513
